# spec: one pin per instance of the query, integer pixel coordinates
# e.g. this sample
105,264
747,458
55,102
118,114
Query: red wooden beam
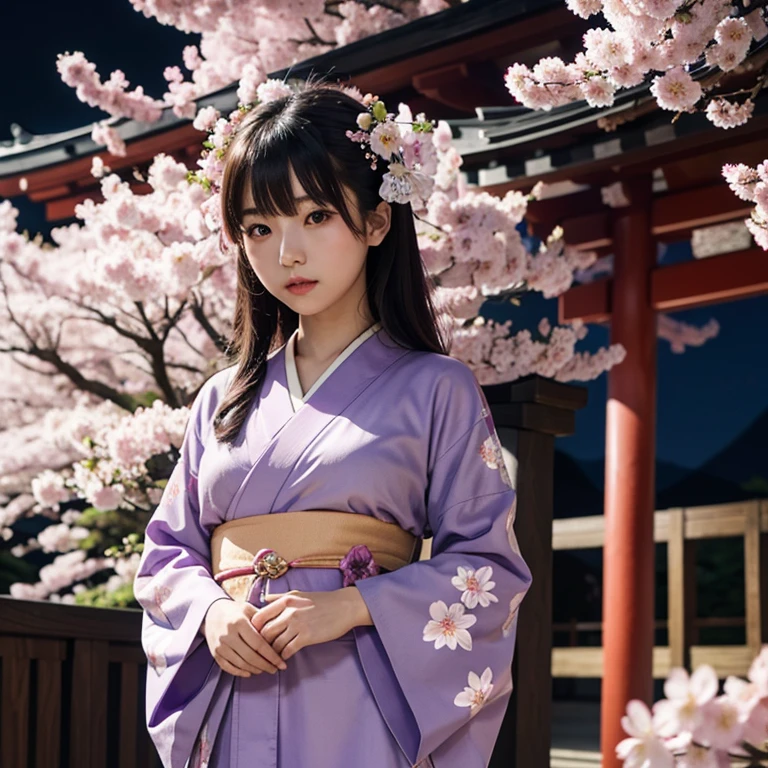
587,232
590,302
138,152
586,219
688,285
691,284
700,207
49,193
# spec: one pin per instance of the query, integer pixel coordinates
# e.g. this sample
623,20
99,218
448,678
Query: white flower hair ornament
408,151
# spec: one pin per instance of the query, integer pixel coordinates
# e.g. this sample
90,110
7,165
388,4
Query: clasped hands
245,640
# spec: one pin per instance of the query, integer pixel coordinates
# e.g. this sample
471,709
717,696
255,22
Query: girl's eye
258,230
318,217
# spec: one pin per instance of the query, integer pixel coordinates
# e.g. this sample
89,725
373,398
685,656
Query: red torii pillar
628,573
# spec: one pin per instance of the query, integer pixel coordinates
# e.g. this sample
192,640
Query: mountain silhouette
575,495
667,473
737,472
745,457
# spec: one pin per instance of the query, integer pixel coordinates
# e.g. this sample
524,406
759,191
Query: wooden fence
680,529
71,690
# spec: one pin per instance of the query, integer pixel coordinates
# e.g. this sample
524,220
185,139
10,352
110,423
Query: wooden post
752,578
681,590
628,574
528,415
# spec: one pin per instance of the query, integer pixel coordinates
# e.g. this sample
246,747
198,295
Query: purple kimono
400,435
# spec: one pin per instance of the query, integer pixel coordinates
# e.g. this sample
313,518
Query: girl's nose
291,250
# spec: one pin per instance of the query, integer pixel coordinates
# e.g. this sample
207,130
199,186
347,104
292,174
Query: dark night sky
707,396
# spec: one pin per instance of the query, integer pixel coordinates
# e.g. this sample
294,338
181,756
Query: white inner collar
298,397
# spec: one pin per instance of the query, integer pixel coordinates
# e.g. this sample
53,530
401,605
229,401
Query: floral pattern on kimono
467,511
167,576
201,755
393,434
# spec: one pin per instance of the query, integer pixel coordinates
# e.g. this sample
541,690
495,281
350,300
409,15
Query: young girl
288,620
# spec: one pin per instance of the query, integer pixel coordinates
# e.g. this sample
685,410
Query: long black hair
306,132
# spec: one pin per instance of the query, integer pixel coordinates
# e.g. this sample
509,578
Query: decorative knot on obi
269,564
305,540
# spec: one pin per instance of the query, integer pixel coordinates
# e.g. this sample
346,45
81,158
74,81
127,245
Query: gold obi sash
266,546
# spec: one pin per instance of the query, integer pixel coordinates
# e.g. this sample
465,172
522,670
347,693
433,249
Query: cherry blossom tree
663,42
145,305
109,330
241,40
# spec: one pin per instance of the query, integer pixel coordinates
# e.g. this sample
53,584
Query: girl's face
312,261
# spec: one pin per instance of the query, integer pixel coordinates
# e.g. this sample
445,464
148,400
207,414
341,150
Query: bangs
264,165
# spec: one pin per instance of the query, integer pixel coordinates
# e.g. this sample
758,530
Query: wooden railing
680,529
72,691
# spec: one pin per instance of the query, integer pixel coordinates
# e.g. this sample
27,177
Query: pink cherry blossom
723,726
687,698
727,114
742,180
107,135
643,748
676,90
272,90
112,96
584,8
682,335
606,49
49,490
658,9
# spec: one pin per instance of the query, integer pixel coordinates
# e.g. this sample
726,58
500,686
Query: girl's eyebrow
255,212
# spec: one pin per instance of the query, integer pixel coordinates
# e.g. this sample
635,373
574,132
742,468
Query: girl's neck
323,337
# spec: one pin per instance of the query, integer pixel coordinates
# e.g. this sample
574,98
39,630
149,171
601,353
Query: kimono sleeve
438,658
175,587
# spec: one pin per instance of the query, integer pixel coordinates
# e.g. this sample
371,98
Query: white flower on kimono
475,586
478,691
201,754
490,452
151,598
449,626
171,492
514,607
157,661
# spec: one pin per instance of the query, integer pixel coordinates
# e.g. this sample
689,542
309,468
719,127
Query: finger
283,639
252,658
273,628
291,648
230,669
293,593
263,615
259,646
234,655
226,661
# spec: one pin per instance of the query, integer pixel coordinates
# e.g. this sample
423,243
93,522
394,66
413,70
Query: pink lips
300,287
